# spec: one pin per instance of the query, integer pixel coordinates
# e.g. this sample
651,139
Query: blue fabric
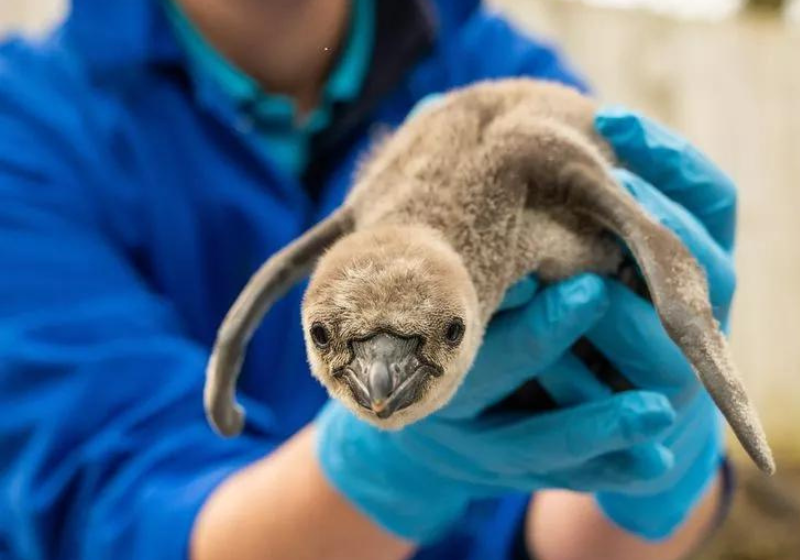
285,138
132,211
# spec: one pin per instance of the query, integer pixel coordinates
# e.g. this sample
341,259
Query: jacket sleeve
104,449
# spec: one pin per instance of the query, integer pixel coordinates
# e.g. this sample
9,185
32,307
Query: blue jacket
134,205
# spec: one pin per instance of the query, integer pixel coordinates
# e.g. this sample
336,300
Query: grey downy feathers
495,181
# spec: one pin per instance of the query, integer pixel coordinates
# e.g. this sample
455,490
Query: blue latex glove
427,102
697,201
417,482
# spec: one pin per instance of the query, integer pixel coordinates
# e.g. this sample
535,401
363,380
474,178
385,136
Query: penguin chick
497,180
391,322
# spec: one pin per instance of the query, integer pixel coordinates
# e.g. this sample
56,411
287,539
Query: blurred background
726,74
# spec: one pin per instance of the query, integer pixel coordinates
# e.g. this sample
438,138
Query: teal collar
274,114
343,84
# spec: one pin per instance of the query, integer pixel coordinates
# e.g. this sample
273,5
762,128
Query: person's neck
287,46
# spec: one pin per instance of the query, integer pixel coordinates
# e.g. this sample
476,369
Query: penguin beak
380,385
386,373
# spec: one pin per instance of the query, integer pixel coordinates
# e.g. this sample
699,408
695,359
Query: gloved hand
418,481
698,202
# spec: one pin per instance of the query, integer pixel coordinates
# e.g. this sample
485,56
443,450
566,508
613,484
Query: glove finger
637,467
672,497
716,263
569,382
632,338
520,343
533,337
675,167
428,102
519,294
612,472
698,433
569,437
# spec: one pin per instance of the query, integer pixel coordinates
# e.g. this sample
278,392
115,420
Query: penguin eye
454,332
320,335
